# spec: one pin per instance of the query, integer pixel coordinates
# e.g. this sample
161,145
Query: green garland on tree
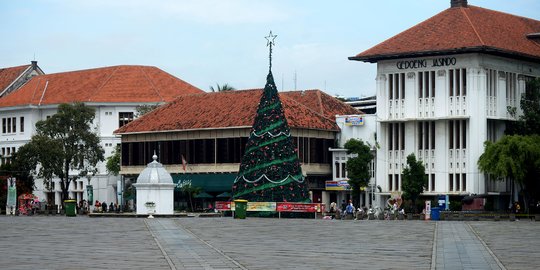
270,170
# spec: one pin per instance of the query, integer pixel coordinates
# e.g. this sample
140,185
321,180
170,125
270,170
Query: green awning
209,182
203,195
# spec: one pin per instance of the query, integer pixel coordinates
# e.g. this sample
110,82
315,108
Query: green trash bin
240,208
70,208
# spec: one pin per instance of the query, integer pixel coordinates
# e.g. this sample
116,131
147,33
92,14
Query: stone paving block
57,242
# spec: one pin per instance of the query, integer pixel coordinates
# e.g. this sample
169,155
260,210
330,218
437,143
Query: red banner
223,206
298,207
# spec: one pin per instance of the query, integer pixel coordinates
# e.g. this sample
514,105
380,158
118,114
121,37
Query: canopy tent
27,196
27,203
224,195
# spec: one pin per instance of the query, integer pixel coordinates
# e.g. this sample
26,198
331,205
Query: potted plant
151,207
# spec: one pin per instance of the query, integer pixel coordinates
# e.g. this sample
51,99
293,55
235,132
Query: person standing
332,207
517,209
349,210
97,206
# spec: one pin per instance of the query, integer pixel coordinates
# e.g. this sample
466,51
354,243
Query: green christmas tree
270,170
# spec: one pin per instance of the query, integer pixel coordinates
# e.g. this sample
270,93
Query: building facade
200,139
443,89
114,93
361,127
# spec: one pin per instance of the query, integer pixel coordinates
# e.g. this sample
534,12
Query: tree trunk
64,185
190,202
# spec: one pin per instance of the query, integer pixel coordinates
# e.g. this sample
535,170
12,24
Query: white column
411,95
382,97
501,94
441,93
325,199
520,91
477,134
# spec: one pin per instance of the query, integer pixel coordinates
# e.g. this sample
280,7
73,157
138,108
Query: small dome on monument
154,173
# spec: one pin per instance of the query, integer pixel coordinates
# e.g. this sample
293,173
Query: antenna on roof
295,80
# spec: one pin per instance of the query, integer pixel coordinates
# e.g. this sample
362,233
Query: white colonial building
361,127
114,92
443,89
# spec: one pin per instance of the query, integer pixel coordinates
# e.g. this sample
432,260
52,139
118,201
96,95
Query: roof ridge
503,13
4,68
152,84
318,93
95,68
35,89
16,79
472,25
103,84
320,114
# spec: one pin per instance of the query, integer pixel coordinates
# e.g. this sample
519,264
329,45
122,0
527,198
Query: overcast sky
205,42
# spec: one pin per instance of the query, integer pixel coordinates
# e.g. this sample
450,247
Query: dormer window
124,118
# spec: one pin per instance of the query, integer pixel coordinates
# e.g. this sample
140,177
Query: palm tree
220,88
191,191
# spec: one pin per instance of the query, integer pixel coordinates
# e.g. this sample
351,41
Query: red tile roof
322,103
9,75
237,109
102,85
459,30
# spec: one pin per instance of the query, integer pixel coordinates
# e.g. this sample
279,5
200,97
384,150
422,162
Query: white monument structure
155,189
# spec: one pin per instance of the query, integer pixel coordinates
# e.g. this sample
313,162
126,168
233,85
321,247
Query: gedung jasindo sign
423,63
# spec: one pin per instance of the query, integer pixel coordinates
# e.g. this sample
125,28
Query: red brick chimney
458,3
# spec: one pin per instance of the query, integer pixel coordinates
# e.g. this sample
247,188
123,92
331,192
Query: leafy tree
414,180
358,166
529,122
25,181
221,88
62,144
141,110
113,162
191,191
516,157
21,171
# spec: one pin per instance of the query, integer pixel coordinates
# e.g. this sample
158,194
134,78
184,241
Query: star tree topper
270,42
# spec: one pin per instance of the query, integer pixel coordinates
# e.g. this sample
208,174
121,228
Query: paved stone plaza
48,242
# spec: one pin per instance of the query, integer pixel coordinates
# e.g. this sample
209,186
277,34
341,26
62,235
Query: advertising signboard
299,207
337,185
428,210
223,206
261,206
90,194
354,120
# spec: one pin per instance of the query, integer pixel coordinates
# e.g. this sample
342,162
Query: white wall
106,122
471,107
